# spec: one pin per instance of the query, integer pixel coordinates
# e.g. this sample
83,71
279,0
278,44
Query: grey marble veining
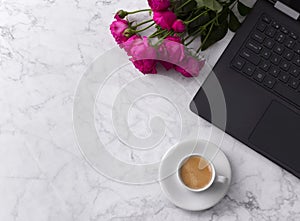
45,46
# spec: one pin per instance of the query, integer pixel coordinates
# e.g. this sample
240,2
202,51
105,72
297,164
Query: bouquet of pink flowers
176,24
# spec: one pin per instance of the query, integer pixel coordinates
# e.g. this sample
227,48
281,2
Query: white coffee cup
214,178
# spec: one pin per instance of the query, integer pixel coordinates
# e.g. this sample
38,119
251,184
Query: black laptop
259,73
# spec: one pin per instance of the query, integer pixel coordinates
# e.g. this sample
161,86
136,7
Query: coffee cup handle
221,179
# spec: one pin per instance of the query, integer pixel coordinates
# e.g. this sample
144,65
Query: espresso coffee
196,172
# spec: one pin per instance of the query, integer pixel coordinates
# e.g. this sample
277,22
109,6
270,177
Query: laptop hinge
287,10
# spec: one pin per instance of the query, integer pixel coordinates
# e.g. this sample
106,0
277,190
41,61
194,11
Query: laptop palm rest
271,138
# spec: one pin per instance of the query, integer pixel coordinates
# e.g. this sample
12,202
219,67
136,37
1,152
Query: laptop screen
294,4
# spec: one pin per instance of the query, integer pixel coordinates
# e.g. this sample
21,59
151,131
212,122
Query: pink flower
143,55
164,19
182,71
117,29
167,65
178,26
140,49
190,67
134,39
120,15
146,66
171,50
174,38
117,17
172,44
159,5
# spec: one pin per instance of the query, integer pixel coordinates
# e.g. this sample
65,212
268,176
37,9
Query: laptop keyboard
271,57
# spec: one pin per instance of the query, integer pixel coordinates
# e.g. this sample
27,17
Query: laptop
259,73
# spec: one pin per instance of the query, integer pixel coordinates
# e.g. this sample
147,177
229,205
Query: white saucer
177,193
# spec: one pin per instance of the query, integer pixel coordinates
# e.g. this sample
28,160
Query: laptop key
275,25
295,71
290,43
253,46
297,61
259,37
275,59
284,30
285,65
293,35
278,49
261,26
280,37
269,43
249,69
288,93
266,19
288,55
238,63
264,65
266,53
284,77
270,32
293,83
269,82
250,56
297,48
274,71
259,76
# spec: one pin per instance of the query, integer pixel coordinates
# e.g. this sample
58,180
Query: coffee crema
192,176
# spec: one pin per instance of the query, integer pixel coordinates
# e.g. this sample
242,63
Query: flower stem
199,29
206,37
184,4
145,22
142,10
163,37
194,33
144,29
167,34
193,19
155,34
199,32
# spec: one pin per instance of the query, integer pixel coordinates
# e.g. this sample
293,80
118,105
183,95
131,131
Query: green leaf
200,21
211,4
218,32
243,9
190,6
223,15
234,23
184,12
197,24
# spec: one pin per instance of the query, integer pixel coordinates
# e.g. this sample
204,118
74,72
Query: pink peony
159,5
117,29
167,65
120,15
117,17
143,54
171,50
167,48
174,38
164,19
146,66
134,39
178,26
183,72
140,49
190,67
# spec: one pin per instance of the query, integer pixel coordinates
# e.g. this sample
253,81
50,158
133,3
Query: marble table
45,47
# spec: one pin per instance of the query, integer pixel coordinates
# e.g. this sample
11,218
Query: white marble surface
45,46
